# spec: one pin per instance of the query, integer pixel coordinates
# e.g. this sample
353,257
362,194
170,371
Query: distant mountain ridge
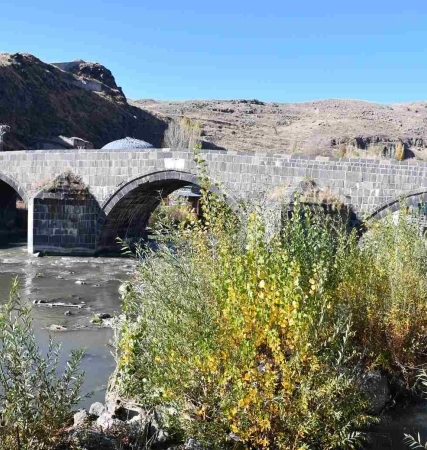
41,101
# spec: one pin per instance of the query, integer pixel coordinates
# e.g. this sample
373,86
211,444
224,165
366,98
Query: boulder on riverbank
93,440
377,387
118,429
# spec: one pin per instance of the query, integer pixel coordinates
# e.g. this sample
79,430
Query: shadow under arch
125,213
13,211
314,194
16,186
416,198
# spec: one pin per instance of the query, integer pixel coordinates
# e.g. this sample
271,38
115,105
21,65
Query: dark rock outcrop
39,100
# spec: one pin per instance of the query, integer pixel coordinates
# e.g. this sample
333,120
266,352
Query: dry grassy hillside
326,127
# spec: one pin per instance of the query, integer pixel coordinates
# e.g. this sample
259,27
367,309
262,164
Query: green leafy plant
240,333
36,404
414,442
171,214
258,337
384,284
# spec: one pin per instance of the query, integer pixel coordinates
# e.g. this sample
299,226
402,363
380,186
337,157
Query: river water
54,279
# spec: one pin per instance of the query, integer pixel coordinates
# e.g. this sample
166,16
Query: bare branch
183,135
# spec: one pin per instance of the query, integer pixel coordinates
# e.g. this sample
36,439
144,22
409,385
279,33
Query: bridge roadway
118,189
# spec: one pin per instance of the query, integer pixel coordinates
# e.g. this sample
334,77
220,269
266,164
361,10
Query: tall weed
384,284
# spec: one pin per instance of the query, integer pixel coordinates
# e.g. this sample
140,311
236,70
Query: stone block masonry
124,187
64,224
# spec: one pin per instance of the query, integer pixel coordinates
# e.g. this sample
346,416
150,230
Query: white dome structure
127,143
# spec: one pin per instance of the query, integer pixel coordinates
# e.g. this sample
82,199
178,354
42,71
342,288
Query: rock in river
80,418
97,409
54,327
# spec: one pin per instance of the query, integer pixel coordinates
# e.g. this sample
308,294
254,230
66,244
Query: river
53,278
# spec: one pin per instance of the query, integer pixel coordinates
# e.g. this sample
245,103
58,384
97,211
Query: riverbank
112,424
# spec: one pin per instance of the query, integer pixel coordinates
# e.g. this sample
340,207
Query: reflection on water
54,278
389,434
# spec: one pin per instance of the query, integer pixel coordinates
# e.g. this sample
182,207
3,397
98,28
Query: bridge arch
412,199
125,213
13,210
16,186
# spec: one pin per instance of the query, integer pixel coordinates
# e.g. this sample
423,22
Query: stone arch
317,194
412,198
13,210
125,213
16,186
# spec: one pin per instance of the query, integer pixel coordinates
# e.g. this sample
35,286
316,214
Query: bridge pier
30,229
63,223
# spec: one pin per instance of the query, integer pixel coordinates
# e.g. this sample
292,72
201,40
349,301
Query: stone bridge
120,188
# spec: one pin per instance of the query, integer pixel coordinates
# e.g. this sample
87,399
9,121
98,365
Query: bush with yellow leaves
241,333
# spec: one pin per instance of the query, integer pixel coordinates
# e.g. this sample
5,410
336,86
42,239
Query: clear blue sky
271,50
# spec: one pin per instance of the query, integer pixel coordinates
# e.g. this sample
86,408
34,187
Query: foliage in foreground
179,214
36,404
258,339
242,334
384,283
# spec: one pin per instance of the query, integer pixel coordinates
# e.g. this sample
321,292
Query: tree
183,134
400,151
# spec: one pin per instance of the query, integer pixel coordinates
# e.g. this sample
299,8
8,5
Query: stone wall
121,181
64,223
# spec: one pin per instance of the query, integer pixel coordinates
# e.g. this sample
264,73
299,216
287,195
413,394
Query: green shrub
242,333
257,338
36,404
384,284
180,214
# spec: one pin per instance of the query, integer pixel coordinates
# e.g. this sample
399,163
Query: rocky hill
326,127
40,101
